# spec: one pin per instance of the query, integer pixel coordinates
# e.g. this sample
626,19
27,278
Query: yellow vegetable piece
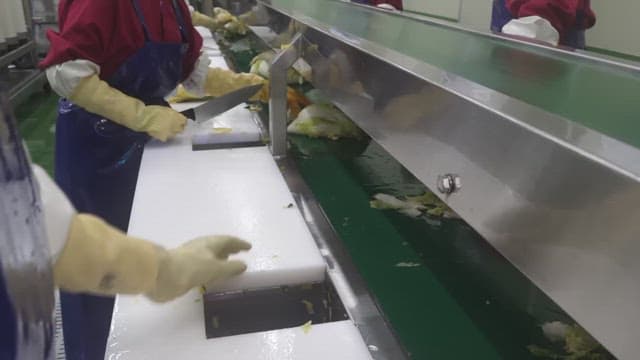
306,327
222,130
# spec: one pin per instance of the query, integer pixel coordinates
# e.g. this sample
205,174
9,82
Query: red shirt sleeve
562,14
109,32
83,34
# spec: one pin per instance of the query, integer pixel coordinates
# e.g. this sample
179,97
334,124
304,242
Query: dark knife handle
189,114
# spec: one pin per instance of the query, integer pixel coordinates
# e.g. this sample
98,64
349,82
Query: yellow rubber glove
211,23
96,96
98,258
221,12
182,95
221,81
236,26
248,18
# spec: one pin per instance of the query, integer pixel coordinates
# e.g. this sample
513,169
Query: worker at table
113,63
557,22
43,233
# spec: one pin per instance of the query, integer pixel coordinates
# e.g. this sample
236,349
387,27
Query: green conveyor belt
599,96
464,301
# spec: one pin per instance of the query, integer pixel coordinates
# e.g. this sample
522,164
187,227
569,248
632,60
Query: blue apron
97,164
574,38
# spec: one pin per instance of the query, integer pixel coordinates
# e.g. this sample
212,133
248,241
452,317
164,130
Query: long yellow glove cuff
98,258
221,81
96,96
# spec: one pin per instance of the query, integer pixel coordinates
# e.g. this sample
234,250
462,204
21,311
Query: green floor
36,121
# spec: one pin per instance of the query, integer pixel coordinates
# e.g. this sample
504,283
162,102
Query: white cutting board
182,194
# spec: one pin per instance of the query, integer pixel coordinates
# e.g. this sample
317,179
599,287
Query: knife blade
221,104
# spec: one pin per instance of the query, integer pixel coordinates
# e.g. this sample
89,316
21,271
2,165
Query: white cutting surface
182,194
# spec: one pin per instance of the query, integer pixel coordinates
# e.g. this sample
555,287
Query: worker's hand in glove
533,27
213,23
162,122
98,258
248,18
96,96
182,95
235,26
198,262
220,81
91,256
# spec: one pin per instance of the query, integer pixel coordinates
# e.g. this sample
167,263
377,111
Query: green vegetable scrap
325,121
317,97
578,344
309,307
215,321
414,206
390,202
408,264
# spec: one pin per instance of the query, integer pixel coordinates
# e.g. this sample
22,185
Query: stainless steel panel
559,200
278,97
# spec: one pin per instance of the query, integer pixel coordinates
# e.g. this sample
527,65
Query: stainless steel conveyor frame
556,196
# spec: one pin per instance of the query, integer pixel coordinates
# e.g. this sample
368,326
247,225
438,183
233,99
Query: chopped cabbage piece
325,121
260,66
413,206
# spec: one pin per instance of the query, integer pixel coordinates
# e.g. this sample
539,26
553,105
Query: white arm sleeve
58,212
198,78
64,77
533,27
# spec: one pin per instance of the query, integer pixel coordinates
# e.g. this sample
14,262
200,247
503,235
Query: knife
221,104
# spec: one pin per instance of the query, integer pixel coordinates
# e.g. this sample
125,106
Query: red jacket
108,32
564,15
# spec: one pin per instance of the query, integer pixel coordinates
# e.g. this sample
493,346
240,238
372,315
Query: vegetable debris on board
306,327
